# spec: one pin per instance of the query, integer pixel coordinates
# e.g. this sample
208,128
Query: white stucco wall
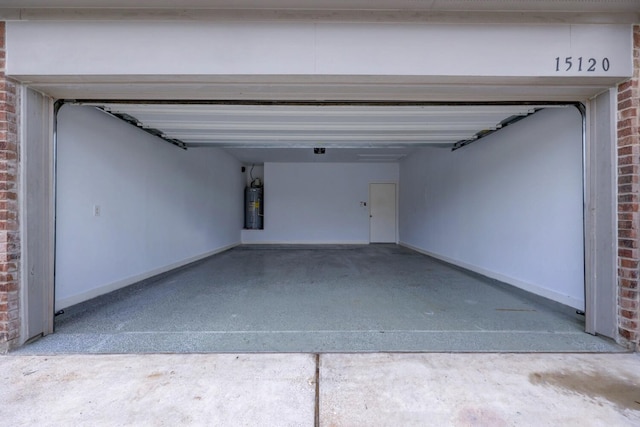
509,206
318,202
308,48
160,206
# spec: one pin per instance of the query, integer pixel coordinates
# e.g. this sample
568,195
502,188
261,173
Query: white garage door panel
200,48
321,89
412,5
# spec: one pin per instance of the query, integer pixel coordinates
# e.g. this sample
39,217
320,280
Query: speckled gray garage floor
319,299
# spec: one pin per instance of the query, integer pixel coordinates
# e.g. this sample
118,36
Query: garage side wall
629,201
509,206
9,227
130,205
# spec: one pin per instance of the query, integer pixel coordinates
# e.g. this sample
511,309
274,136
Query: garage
140,185
131,200
481,181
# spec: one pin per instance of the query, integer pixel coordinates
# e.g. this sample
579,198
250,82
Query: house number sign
570,63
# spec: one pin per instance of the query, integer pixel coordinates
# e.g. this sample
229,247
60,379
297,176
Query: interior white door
382,213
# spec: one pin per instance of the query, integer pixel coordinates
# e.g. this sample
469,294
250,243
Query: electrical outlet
96,210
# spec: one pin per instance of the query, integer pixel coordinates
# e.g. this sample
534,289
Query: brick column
629,202
9,228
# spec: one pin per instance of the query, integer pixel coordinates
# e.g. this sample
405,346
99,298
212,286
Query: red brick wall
9,229
628,201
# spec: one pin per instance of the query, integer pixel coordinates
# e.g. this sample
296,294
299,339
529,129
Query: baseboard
529,287
105,289
269,242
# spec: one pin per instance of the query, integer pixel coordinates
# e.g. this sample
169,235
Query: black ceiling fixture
318,150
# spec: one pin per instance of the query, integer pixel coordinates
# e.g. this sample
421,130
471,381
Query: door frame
37,140
600,213
593,235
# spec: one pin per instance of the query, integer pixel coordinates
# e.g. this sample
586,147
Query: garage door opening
506,206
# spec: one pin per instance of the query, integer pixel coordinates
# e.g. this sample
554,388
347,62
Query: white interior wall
160,206
509,206
318,202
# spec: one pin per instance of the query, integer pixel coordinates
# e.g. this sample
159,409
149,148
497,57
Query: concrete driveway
328,390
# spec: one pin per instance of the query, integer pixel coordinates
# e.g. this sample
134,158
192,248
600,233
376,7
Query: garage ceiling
258,133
